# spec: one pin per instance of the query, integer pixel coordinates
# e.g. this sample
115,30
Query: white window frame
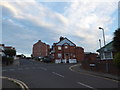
66,47
103,56
59,47
59,55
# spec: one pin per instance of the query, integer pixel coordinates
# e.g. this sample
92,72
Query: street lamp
104,50
103,34
100,47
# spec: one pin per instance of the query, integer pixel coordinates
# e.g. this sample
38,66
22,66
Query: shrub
7,60
10,59
10,52
116,59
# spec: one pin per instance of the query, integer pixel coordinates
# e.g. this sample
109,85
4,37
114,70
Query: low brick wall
101,67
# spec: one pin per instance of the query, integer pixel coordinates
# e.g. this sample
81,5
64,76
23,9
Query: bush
10,59
10,52
116,59
7,60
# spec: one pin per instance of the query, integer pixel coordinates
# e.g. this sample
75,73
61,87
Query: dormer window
59,47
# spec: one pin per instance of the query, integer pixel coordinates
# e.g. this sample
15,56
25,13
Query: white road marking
86,85
58,74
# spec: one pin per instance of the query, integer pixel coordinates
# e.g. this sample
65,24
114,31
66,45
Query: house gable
64,41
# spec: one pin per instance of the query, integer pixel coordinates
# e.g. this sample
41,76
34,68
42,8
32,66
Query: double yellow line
20,83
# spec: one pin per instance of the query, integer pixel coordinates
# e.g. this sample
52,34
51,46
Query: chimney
39,40
61,38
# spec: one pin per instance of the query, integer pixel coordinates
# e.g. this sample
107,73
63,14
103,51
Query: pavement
9,84
78,68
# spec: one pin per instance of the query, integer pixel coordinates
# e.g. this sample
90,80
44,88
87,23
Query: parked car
47,59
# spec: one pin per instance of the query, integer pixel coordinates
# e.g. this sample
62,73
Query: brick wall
100,66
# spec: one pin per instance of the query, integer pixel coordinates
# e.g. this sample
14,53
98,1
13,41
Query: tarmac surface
50,75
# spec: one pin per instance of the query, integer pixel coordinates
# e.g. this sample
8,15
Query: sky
24,22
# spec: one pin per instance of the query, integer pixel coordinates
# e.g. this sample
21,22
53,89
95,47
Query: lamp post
100,47
103,34
104,50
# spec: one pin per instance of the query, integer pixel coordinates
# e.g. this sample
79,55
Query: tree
117,59
116,46
116,40
10,52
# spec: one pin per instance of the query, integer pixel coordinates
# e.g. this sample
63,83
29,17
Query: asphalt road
49,75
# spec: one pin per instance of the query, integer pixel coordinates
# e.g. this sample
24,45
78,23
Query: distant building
66,51
90,57
107,51
2,50
40,49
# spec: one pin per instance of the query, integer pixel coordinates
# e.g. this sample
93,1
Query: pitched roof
108,47
65,40
39,42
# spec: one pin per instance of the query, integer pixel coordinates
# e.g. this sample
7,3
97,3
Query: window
59,55
66,46
107,55
59,47
74,55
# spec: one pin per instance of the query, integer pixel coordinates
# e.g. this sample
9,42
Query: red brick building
40,49
66,51
90,57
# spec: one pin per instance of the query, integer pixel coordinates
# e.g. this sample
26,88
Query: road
49,75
